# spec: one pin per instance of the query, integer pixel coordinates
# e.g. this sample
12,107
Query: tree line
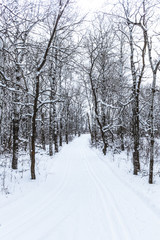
38,102
123,64
61,75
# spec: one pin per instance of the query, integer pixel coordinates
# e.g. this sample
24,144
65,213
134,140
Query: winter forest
65,74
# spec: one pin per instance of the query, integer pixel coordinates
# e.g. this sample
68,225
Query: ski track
40,207
112,213
148,203
83,199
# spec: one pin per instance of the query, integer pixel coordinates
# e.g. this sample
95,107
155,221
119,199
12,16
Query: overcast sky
95,5
91,5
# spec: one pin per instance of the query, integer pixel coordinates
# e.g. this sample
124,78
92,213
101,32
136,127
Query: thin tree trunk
55,129
33,136
152,137
90,130
122,138
43,132
50,131
66,134
60,132
16,123
15,141
135,109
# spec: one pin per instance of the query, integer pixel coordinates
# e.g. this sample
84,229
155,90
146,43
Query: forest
64,73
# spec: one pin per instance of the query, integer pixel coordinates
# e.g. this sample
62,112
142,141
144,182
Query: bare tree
154,66
137,63
61,10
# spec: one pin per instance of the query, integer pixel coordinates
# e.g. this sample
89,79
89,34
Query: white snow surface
85,197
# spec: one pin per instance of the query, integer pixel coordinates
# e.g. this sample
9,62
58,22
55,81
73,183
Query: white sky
91,5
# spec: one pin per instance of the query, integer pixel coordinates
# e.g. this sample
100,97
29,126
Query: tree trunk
135,110
60,132
43,132
33,136
66,134
55,129
152,138
135,107
90,130
16,122
122,138
50,131
15,141
151,159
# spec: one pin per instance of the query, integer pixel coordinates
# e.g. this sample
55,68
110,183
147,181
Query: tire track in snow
123,233
149,204
63,213
41,206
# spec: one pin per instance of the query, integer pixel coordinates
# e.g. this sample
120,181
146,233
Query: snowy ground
86,196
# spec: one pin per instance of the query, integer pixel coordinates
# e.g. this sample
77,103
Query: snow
86,196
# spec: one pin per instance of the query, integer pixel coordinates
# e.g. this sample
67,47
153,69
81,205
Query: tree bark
16,122
55,129
135,108
43,132
50,131
60,132
33,136
152,137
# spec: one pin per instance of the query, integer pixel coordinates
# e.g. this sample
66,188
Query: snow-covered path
83,199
